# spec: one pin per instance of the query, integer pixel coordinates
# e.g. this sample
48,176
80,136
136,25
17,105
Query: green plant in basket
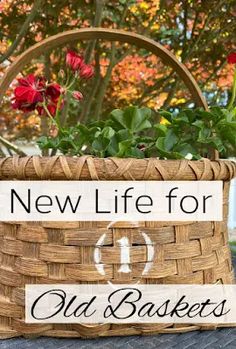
131,132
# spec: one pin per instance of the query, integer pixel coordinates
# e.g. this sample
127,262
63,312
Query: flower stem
68,77
49,114
71,84
58,121
231,103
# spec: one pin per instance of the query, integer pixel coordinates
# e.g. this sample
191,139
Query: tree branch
194,23
186,54
97,80
97,22
185,23
11,146
170,94
104,83
23,30
100,85
149,89
196,42
2,153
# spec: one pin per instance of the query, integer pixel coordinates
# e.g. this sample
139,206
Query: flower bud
61,74
86,71
77,95
74,60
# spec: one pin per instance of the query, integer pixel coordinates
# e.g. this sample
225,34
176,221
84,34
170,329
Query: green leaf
108,132
170,140
185,148
198,123
160,144
100,144
132,118
47,142
204,133
144,140
181,118
124,146
161,130
134,153
218,113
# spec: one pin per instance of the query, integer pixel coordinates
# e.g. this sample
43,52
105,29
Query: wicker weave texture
63,252
90,168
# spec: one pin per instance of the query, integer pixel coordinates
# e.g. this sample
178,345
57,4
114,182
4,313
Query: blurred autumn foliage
200,33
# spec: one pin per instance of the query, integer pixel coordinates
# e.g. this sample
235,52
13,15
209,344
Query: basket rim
89,167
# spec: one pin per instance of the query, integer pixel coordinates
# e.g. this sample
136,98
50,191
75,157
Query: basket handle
112,35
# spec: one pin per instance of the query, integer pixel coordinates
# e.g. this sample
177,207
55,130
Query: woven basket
62,252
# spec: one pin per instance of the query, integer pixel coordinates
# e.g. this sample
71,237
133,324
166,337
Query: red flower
52,94
52,108
25,107
74,60
28,93
30,89
232,58
32,80
54,91
86,71
40,109
77,95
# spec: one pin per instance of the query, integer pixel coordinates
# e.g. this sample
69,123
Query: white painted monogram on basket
124,244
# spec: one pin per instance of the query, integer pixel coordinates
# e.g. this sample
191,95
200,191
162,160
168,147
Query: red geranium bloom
30,89
232,58
74,60
32,80
86,71
54,91
25,107
28,93
52,108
